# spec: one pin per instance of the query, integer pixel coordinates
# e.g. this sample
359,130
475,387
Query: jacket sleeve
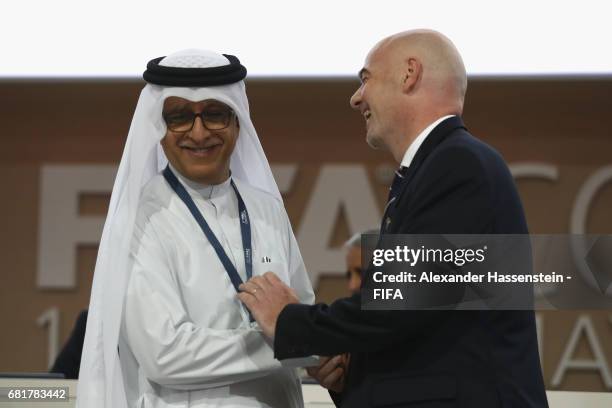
170,349
460,183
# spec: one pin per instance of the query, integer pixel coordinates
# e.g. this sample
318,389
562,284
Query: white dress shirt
418,141
186,338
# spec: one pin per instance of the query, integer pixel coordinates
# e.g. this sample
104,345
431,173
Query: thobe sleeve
298,276
171,350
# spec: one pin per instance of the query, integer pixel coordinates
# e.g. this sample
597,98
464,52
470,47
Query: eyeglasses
216,118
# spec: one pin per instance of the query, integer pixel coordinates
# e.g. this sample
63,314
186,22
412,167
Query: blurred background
539,92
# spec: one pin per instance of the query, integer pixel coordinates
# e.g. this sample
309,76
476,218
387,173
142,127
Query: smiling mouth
201,151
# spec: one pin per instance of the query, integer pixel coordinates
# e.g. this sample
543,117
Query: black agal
194,77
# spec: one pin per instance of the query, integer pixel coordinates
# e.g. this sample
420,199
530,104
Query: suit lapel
437,135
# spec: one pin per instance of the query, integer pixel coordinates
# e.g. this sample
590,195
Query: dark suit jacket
68,361
456,184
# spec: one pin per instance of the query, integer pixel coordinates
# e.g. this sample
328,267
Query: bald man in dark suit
412,93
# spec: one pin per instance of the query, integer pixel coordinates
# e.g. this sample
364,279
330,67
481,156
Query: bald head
443,73
409,80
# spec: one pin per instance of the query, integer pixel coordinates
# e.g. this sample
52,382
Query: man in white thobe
185,339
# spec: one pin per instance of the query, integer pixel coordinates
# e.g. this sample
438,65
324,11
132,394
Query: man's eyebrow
362,72
172,111
217,105
174,107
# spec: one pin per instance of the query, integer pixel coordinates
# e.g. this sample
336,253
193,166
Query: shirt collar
203,190
418,141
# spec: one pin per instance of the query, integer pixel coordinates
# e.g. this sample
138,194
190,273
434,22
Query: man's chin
202,174
374,142
211,178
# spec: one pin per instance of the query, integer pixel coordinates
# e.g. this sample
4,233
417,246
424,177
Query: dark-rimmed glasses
214,118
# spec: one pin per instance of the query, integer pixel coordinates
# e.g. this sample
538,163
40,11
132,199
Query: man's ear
164,140
413,70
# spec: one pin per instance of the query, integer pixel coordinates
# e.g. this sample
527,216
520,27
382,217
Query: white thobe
186,338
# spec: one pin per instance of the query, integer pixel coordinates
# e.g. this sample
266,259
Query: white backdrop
110,38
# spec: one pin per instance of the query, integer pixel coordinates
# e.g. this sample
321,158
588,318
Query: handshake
266,296
331,372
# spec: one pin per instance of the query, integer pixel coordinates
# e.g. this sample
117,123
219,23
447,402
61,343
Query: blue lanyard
245,229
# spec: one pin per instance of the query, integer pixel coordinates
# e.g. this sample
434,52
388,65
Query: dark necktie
400,174
394,190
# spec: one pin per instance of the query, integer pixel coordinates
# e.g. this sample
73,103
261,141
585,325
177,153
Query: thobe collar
207,191
418,141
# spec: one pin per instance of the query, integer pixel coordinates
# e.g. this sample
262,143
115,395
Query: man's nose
356,99
199,132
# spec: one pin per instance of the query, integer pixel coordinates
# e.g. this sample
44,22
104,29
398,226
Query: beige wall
563,122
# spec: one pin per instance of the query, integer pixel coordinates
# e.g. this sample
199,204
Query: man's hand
266,296
330,372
